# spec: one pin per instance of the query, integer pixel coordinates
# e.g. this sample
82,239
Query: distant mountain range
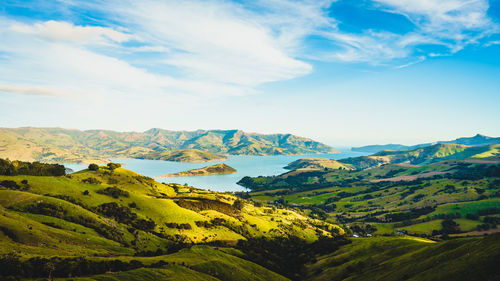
423,155
58,145
477,140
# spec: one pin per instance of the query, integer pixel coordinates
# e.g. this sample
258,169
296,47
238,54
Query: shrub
9,184
91,180
114,192
113,166
93,167
238,204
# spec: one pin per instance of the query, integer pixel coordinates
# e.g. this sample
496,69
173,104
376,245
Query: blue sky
342,72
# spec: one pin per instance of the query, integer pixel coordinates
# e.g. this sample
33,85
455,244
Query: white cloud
33,90
65,31
207,49
212,40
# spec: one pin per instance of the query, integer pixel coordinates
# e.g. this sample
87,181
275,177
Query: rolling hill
317,164
57,145
477,140
110,223
423,155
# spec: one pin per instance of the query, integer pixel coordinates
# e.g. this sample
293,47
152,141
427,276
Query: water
246,165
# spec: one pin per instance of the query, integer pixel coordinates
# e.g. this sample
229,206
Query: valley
382,216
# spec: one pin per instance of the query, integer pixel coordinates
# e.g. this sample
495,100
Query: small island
184,155
219,169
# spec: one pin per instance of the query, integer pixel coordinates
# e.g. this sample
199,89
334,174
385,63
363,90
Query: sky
341,72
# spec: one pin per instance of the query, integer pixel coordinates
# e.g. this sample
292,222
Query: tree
93,167
113,166
450,226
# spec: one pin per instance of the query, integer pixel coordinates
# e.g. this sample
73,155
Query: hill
218,169
477,140
56,145
451,197
380,147
316,164
183,155
404,258
113,224
424,155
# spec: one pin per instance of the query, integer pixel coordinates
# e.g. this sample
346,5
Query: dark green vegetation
56,145
477,140
183,155
436,200
13,168
218,169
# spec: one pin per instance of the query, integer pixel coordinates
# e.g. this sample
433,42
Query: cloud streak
210,49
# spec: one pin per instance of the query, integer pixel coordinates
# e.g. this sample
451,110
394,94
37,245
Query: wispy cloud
208,49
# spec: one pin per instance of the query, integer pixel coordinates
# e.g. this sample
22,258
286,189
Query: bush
119,213
114,192
113,166
9,184
238,204
91,180
93,167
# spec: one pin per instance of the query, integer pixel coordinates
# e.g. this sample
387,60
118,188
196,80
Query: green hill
477,140
58,145
218,169
385,258
182,155
316,163
423,155
420,200
113,224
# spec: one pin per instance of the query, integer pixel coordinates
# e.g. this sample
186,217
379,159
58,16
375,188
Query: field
393,198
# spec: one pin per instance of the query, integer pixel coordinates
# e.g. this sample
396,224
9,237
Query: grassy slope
154,201
424,155
353,196
317,163
382,258
195,263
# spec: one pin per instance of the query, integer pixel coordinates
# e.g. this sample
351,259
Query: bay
246,165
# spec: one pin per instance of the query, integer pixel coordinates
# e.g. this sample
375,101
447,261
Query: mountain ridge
59,145
476,140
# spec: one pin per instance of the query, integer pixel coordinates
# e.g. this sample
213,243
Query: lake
246,165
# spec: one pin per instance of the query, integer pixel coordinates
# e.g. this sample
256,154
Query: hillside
57,145
316,163
451,197
424,155
218,169
477,140
404,258
380,147
113,224
116,212
182,155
